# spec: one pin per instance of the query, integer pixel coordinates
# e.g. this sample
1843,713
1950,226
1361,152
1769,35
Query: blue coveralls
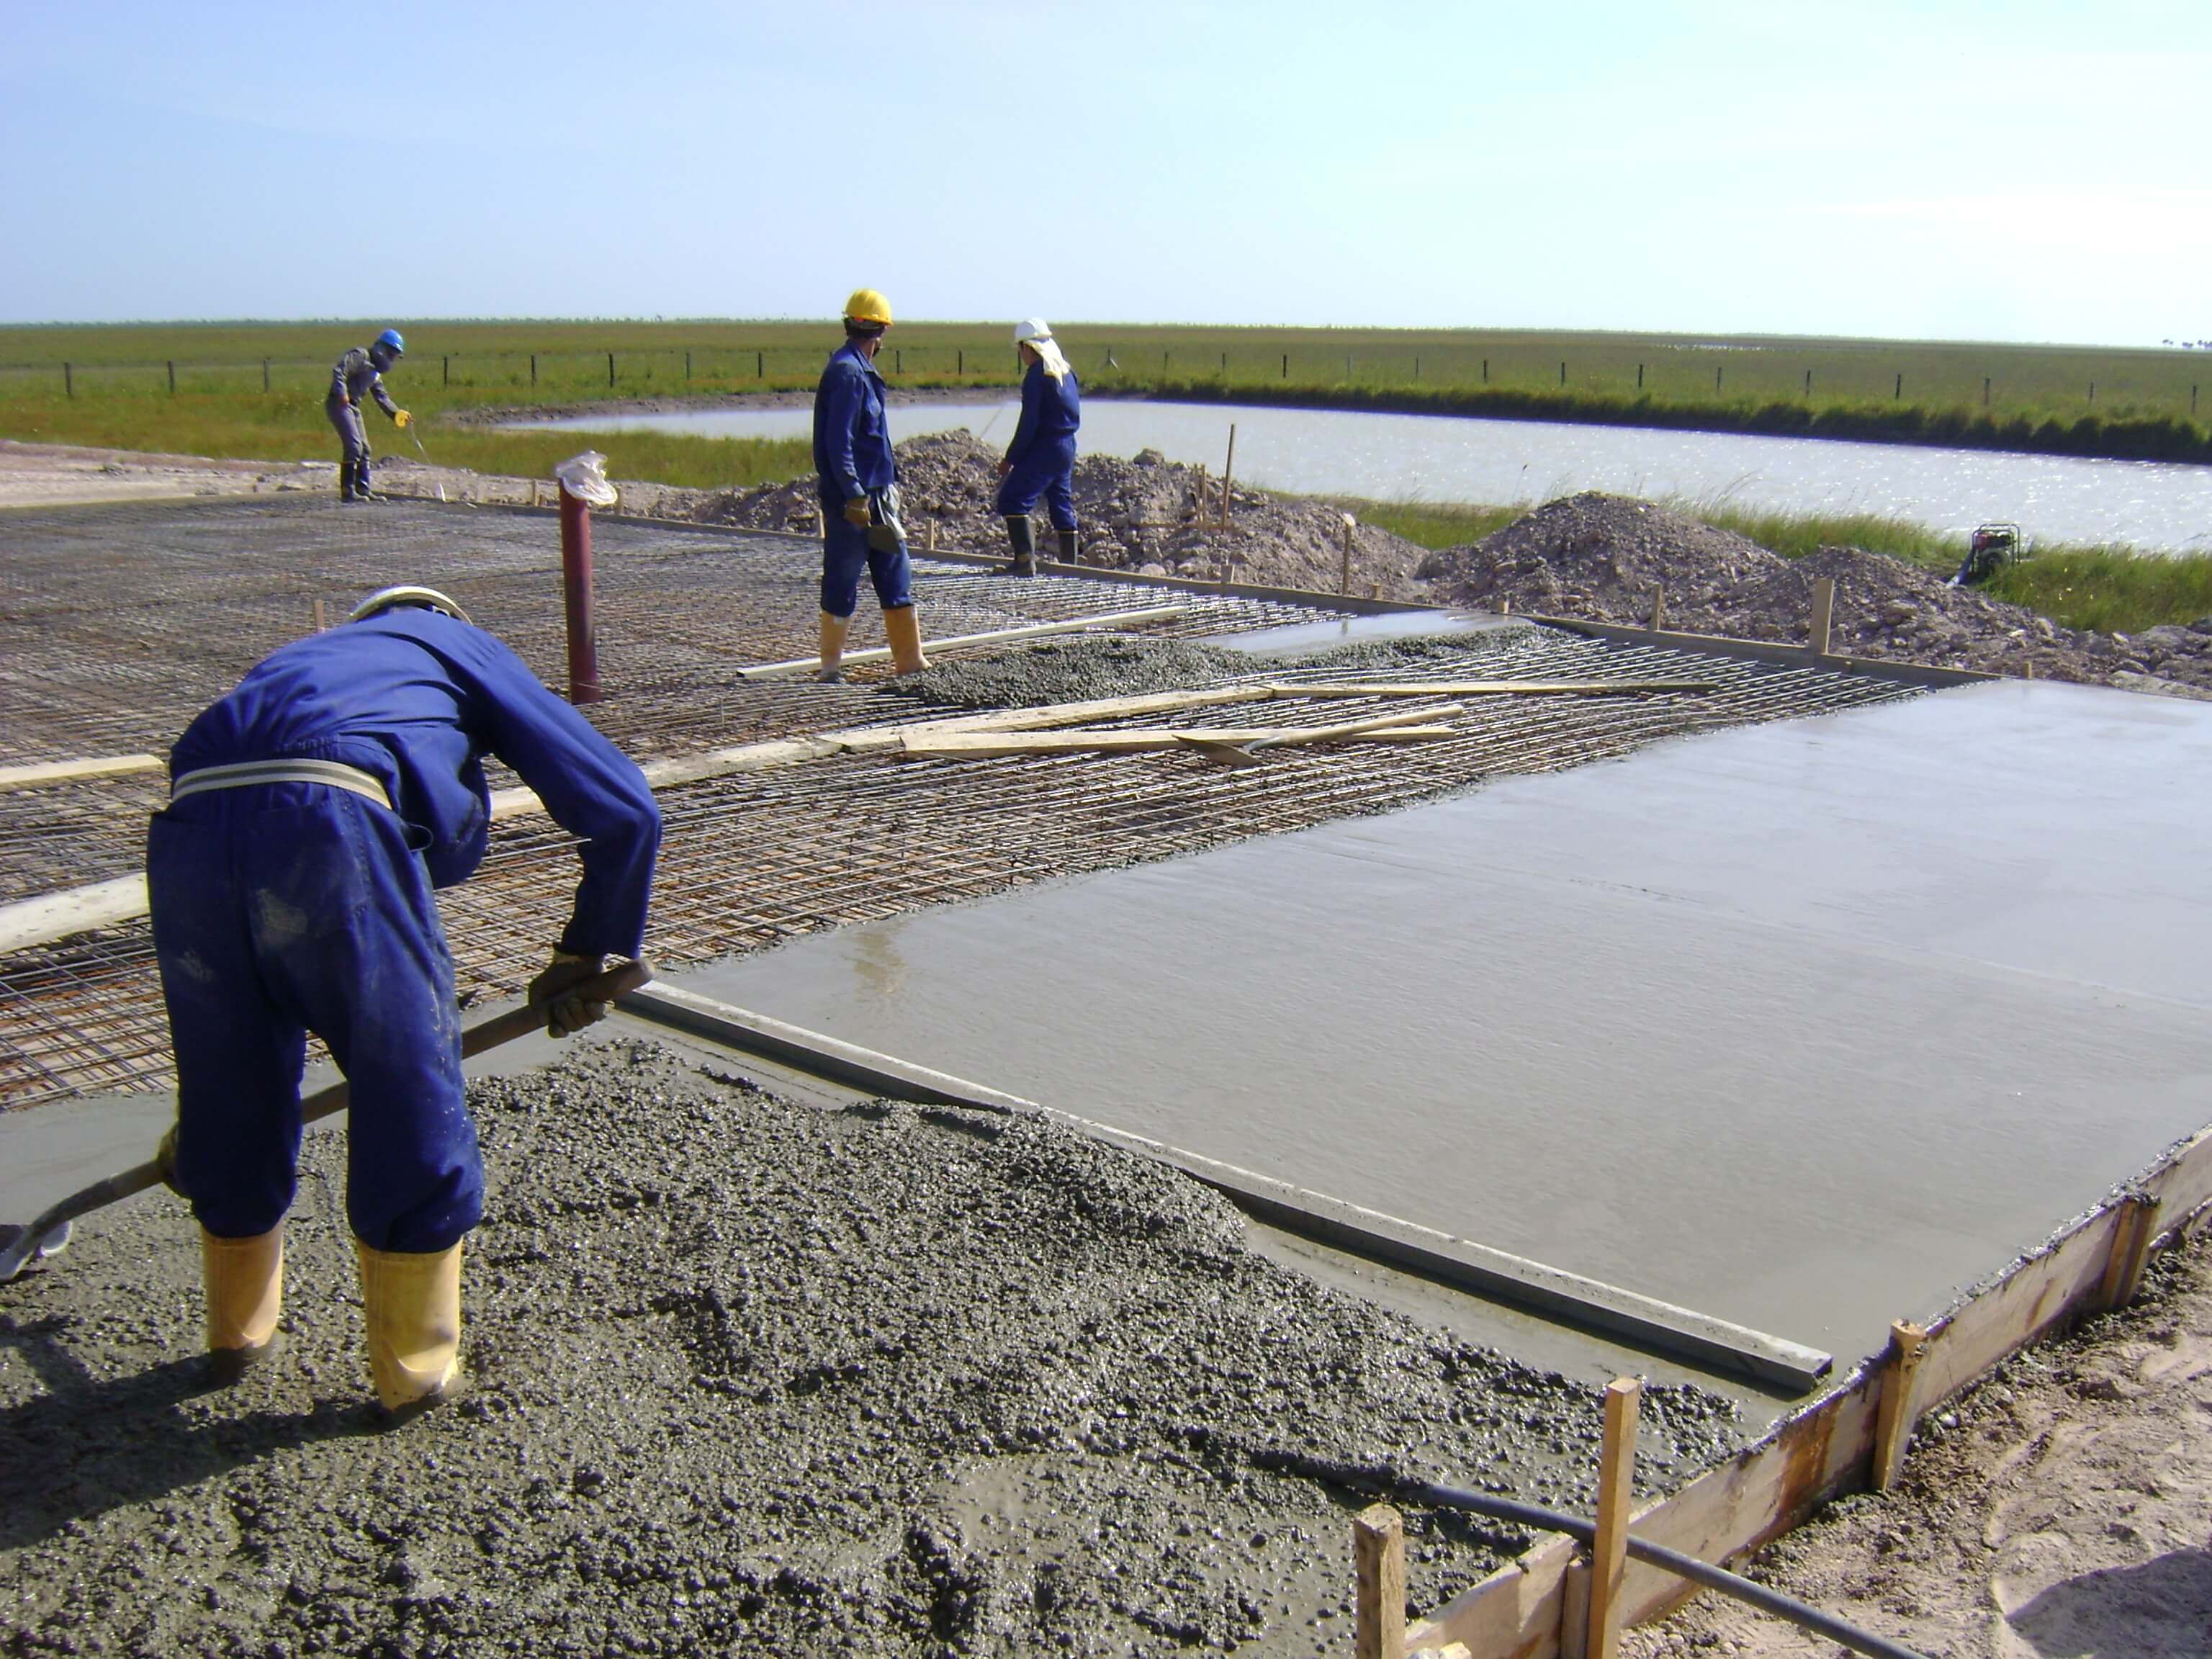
1042,452
354,377
280,908
853,459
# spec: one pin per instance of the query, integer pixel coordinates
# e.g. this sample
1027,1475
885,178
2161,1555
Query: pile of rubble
1149,514
1606,558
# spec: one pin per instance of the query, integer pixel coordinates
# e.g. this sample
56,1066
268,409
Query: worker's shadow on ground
2163,1608
86,1446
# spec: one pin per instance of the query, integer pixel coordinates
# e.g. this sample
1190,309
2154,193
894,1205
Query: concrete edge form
1636,1321
1853,1437
1792,656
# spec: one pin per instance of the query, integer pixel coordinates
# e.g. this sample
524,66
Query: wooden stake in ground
1616,1471
1824,606
1379,1557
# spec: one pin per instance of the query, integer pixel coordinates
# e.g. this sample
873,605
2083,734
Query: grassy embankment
116,391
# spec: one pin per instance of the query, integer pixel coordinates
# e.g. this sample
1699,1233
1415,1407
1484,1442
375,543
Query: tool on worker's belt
886,529
50,1232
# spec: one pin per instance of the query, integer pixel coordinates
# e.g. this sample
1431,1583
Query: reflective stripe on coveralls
280,771
283,907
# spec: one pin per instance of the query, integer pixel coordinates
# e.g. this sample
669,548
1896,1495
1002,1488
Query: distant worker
1041,460
311,812
360,373
858,481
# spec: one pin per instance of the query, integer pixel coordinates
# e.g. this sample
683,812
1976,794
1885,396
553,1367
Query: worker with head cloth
1041,460
358,374
858,481
312,812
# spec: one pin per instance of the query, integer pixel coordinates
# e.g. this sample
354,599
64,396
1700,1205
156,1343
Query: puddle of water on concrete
1801,1025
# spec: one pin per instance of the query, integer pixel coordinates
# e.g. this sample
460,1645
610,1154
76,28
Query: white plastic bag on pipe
585,477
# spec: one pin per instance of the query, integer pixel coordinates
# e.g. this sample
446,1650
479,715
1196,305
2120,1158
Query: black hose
1384,1481
1688,1566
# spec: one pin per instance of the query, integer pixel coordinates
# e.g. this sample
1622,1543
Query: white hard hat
1031,330
391,598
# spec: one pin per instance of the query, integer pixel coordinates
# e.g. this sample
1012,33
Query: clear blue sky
1996,171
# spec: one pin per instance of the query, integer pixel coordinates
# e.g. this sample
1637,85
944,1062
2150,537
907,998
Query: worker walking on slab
312,812
1041,460
360,373
858,481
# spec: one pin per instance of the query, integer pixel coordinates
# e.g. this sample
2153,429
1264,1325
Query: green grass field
254,391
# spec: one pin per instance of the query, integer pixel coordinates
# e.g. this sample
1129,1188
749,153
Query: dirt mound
1149,514
1599,556
749,1377
1603,557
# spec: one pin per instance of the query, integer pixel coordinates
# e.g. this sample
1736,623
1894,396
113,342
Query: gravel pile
750,1378
1149,514
1601,557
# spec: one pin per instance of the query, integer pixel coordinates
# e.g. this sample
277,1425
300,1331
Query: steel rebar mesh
755,858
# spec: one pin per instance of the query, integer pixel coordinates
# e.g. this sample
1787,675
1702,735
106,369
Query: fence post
576,592
1286,365
1716,375
534,368
1485,371
898,362
960,362
1563,374
1616,1471
265,374
1824,606
173,376
687,365
1378,1558
1899,392
1808,386
69,385
444,371
1639,377
760,365
1985,394
610,368
1343,577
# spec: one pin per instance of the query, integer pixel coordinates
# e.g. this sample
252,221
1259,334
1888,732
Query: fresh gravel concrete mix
755,1377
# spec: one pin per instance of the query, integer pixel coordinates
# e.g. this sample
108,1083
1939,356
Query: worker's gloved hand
566,1015
403,420
164,1160
856,512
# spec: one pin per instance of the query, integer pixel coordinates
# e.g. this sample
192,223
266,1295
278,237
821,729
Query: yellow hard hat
866,306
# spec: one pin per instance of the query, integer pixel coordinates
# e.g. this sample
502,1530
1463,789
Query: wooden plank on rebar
960,641
76,771
55,915
968,745
1487,688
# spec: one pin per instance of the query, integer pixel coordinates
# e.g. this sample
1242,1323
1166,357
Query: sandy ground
58,475
2060,1510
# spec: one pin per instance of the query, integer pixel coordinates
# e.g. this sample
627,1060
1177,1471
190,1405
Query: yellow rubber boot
244,1281
902,630
411,1304
833,647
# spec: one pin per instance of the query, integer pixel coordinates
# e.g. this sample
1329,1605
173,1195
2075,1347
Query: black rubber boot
1024,537
362,491
345,482
1069,547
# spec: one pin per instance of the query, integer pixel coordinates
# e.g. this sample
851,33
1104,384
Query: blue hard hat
391,337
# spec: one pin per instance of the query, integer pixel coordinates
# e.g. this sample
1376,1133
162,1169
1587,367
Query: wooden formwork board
1829,1448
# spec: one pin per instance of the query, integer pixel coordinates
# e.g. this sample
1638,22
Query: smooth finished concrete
1803,1025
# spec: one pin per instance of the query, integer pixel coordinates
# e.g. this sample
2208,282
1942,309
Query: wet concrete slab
1802,1025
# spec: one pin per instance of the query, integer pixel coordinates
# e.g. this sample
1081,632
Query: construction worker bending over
358,374
311,812
1041,460
858,481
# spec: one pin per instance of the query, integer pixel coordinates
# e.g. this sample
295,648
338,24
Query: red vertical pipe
576,585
